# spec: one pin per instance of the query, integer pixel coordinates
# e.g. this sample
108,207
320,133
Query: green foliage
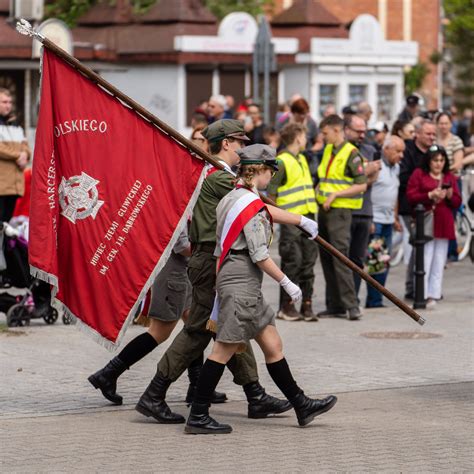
67,10
460,39
436,57
141,6
220,8
414,77
70,10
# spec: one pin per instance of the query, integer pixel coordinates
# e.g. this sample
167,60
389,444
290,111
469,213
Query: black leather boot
106,380
194,371
307,408
152,402
261,404
199,422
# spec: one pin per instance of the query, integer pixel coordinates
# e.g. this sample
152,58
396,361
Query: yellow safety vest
336,180
297,194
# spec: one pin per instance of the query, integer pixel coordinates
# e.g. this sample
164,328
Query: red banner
110,195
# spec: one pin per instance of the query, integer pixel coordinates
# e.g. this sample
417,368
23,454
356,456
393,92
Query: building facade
400,20
177,54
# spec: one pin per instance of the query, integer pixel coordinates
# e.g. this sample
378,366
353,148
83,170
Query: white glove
10,231
309,226
293,290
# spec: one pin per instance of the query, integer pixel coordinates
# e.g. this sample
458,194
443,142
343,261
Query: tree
460,40
220,8
70,10
414,77
67,10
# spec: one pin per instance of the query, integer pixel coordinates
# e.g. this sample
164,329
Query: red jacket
419,185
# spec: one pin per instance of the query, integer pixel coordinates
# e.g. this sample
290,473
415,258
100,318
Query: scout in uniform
342,182
170,298
225,137
244,233
292,188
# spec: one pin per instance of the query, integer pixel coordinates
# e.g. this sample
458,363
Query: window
198,88
357,93
385,102
327,95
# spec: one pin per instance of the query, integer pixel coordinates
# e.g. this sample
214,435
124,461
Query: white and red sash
246,207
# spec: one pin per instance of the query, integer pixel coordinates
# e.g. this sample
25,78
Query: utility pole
264,62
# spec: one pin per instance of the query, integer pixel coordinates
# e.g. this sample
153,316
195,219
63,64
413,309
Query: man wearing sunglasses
415,151
355,128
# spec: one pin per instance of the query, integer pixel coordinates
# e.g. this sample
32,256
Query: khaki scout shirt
203,224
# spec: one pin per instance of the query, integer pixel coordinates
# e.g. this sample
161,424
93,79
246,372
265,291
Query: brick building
402,20
177,54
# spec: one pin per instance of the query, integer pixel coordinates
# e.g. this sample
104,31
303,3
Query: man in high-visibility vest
292,188
342,182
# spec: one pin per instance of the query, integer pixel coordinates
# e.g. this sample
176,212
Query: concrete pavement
405,405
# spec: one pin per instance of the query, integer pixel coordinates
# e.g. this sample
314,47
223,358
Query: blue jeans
374,297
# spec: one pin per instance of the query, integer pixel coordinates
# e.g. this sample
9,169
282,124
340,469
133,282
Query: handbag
428,224
428,227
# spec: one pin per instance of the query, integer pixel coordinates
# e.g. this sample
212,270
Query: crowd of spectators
400,164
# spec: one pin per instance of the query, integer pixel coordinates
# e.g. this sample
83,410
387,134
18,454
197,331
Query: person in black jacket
415,151
411,109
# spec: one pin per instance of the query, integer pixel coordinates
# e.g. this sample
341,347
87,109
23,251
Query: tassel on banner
211,326
142,320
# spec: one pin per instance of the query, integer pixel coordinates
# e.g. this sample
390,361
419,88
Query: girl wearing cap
244,233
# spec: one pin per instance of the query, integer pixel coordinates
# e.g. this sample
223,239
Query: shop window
357,93
328,94
198,89
232,82
385,102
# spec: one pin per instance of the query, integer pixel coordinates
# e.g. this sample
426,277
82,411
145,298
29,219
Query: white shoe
430,303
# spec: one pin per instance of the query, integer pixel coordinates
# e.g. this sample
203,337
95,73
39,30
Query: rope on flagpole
25,28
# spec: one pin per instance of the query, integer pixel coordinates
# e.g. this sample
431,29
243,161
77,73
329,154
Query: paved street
405,405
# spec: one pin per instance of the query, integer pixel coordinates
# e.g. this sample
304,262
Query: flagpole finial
24,27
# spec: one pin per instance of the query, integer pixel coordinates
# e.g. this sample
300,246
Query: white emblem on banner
79,197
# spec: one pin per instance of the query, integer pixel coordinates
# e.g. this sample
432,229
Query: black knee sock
281,375
211,373
137,348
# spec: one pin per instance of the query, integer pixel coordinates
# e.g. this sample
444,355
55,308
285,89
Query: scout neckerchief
213,169
246,207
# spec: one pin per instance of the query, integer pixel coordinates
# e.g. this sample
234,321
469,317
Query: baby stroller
35,303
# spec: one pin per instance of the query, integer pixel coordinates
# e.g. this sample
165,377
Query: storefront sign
236,35
366,45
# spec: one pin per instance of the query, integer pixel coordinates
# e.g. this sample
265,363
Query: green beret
225,128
